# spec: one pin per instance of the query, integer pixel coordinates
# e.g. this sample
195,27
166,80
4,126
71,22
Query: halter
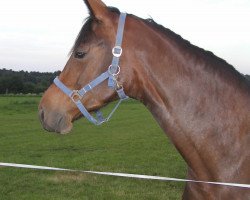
111,74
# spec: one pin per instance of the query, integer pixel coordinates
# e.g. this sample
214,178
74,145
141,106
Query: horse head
91,56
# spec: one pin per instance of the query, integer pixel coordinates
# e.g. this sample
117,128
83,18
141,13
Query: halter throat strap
111,74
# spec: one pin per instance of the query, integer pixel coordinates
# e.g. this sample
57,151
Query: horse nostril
54,122
41,115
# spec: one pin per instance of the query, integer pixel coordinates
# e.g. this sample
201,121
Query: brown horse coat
200,101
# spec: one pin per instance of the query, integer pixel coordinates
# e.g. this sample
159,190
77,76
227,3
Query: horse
200,101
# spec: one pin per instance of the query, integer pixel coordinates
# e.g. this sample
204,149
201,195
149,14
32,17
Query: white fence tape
137,176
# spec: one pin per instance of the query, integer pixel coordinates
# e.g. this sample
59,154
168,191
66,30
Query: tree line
248,77
23,82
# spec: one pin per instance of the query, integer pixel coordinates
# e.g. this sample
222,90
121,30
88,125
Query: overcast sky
38,35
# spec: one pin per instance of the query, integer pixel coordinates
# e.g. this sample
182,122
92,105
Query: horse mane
213,62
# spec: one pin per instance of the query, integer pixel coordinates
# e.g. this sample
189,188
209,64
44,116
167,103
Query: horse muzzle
55,122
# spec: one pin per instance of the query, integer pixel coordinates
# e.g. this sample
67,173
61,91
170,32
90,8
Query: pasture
131,142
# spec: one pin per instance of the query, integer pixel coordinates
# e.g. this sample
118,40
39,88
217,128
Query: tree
25,82
248,77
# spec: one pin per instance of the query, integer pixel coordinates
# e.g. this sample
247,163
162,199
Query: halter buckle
117,51
75,96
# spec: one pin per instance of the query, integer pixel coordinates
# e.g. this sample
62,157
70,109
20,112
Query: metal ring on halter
75,96
114,74
117,51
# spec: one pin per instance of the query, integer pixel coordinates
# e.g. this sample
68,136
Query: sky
38,35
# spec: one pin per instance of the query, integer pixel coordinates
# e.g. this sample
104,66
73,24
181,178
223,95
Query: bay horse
200,101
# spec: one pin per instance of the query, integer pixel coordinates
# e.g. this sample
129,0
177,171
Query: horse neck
188,99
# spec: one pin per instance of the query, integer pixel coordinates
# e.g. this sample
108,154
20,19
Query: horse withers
200,101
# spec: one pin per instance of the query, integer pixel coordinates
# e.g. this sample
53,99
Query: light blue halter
111,74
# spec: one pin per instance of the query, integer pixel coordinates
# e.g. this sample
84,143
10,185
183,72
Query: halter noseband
111,74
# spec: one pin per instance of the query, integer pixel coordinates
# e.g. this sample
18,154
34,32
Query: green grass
131,142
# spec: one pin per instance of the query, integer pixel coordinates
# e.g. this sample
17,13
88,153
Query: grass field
131,143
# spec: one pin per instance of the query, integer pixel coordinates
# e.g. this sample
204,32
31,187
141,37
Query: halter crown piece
111,74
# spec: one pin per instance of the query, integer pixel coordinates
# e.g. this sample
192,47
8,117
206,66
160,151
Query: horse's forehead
87,38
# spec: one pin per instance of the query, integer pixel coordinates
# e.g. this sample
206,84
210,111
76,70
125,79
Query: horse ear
97,9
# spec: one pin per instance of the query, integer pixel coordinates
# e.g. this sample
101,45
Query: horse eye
79,54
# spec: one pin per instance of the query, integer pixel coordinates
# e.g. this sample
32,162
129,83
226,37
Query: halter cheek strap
111,74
